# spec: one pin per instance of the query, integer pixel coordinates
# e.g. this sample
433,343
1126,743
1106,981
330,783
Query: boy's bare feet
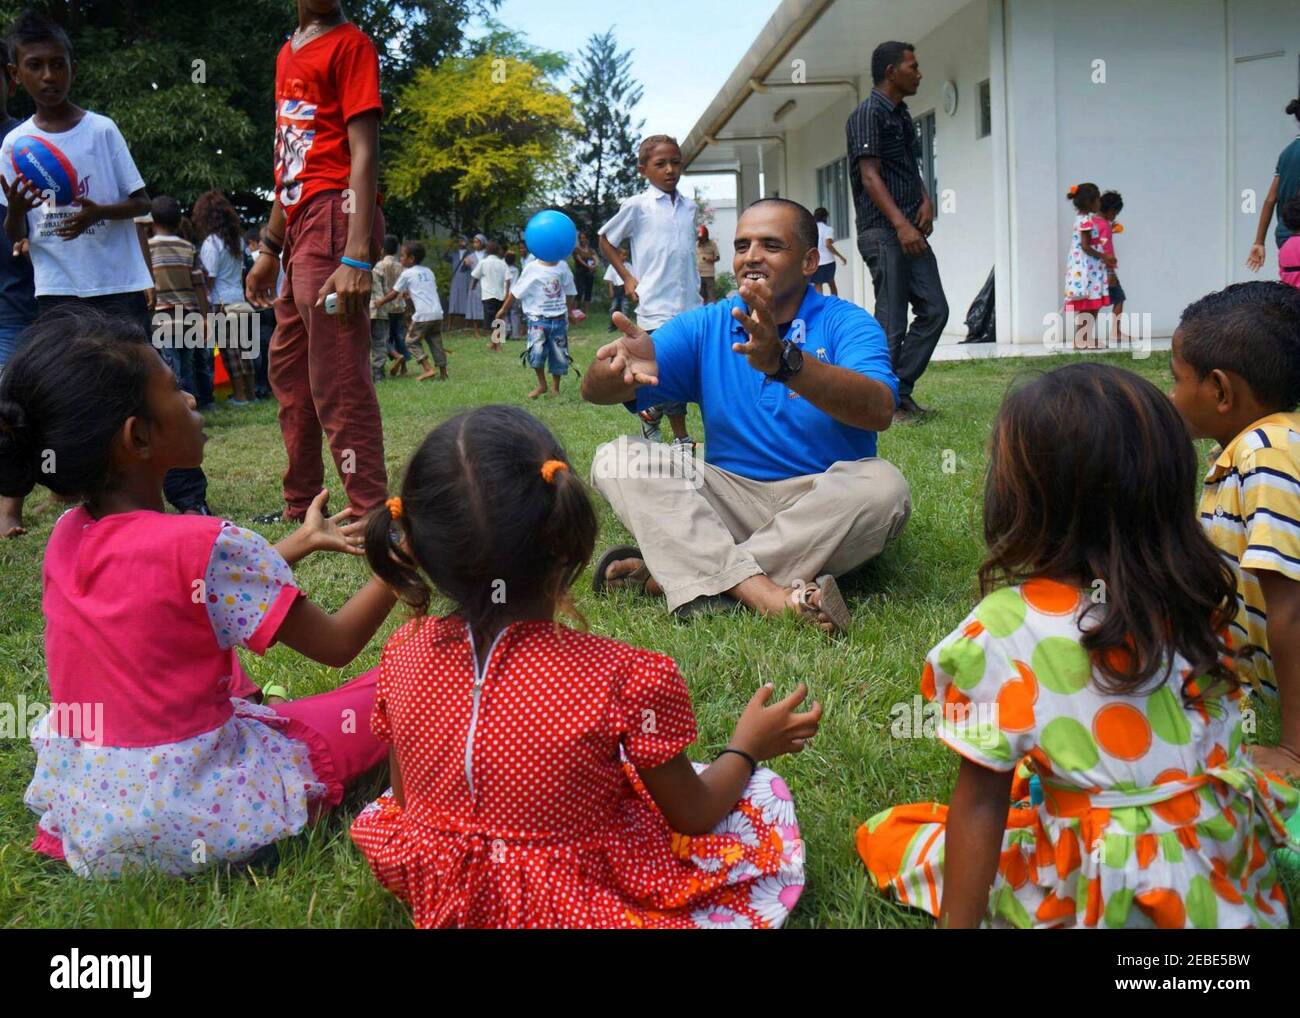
537,392
428,373
11,517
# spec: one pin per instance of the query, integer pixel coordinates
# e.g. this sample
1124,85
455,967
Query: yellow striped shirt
1251,511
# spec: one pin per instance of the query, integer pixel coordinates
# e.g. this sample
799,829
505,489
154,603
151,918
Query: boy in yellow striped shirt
1236,366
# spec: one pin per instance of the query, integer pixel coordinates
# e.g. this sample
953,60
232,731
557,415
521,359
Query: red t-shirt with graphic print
318,89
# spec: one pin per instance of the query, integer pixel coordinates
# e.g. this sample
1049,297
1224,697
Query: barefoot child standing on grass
425,333
546,292
540,777
154,754
1128,710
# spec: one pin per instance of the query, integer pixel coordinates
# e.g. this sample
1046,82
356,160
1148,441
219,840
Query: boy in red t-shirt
327,227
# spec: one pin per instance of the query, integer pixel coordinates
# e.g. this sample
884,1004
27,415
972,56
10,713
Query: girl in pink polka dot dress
154,753
539,773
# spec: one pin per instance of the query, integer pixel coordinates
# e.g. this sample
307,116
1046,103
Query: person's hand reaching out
632,354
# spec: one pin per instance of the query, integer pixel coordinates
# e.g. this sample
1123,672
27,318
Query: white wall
1156,132
962,239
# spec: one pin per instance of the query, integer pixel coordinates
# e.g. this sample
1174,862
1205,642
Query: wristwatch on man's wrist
791,362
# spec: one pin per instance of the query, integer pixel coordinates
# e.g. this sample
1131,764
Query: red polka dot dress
523,808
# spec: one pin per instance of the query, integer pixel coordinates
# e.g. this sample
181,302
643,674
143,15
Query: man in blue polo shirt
792,387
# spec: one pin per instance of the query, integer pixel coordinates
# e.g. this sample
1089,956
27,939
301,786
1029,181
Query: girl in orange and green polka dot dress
1098,664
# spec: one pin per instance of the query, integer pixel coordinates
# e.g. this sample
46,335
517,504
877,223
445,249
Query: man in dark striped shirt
895,215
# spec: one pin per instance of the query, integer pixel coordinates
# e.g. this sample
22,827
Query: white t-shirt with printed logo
418,281
107,257
541,289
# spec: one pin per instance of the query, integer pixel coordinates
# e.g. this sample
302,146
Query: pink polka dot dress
523,806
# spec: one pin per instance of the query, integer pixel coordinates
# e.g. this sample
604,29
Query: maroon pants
320,370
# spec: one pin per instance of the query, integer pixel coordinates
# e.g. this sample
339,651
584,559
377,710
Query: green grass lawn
903,603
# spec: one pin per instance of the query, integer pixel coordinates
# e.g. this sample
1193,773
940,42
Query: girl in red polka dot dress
539,773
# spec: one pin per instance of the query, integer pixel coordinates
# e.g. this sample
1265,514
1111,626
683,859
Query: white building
722,231
1177,104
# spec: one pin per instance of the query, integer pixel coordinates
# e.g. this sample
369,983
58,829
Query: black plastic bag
980,323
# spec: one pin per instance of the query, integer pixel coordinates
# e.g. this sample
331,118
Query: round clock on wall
950,97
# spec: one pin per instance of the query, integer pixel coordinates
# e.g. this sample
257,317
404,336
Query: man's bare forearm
363,140
848,396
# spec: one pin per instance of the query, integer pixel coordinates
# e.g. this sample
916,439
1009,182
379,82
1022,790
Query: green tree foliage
487,132
190,83
604,163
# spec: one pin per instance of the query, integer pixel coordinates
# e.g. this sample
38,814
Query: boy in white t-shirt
660,225
418,283
545,290
493,275
75,202
77,217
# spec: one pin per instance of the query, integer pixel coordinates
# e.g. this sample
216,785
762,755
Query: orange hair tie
394,507
550,468
1074,189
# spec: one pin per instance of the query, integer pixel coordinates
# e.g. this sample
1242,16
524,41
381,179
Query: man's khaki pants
702,530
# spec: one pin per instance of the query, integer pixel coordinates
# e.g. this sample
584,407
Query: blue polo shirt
755,427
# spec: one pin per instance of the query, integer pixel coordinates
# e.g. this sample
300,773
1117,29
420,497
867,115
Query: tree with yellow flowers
479,138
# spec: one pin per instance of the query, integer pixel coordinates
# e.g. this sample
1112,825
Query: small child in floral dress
539,772
1087,280
153,753
1097,666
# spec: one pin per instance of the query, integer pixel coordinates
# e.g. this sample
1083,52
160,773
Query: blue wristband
353,263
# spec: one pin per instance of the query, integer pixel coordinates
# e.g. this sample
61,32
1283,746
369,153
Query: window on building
926,159
985,125
833,194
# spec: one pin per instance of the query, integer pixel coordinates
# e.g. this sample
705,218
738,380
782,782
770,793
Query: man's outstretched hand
632,354
763,348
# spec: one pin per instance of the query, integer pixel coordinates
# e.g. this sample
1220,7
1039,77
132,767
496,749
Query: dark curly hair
213,213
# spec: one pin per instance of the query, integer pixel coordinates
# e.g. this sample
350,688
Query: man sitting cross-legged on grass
793,387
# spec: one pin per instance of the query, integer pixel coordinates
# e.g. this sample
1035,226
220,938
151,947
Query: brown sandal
832,603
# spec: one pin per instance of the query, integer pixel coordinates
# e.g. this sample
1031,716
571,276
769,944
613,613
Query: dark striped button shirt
881,129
